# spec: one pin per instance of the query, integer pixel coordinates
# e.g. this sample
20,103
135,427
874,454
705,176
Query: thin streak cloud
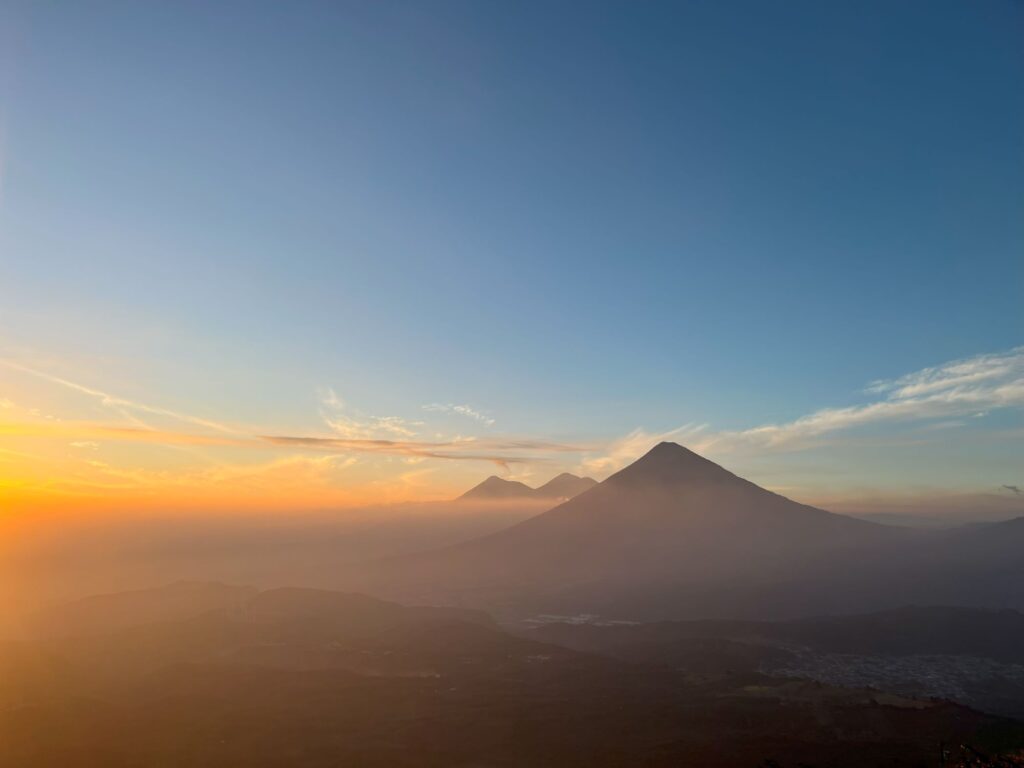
500,452
119,403
956,389
496,452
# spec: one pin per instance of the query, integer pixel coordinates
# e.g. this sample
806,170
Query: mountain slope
663,516
672,523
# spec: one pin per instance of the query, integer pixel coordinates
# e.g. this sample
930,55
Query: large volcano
671,534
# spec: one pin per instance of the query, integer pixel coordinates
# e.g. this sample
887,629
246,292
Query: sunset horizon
440,383
92,443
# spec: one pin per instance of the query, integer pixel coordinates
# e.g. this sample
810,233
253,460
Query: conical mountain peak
669,525
495,487
672,464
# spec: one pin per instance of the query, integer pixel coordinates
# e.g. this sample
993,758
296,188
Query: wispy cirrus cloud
933,400
956,389
931,396
352,424
354,432
500,452
970,373
460,410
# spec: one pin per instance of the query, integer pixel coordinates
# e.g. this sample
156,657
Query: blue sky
574,219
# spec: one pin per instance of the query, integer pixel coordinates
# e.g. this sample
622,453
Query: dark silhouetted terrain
206,674
305,677
972,656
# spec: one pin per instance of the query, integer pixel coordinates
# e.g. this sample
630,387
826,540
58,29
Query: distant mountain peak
565,486
666,464
672,464
495,487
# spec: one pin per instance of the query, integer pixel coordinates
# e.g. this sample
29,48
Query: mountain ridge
676,536
564,486
672,519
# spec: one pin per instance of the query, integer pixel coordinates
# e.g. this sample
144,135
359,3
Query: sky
310,255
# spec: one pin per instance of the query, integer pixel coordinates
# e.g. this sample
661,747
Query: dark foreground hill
975,657
931,630
676,536
310,678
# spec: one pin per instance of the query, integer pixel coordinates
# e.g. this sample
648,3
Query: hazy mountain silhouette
566,486
494,488
674,535
657,515
671,520
123,610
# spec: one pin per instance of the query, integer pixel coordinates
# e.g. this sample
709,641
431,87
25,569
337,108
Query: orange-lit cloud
54,451
493,451
111,466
